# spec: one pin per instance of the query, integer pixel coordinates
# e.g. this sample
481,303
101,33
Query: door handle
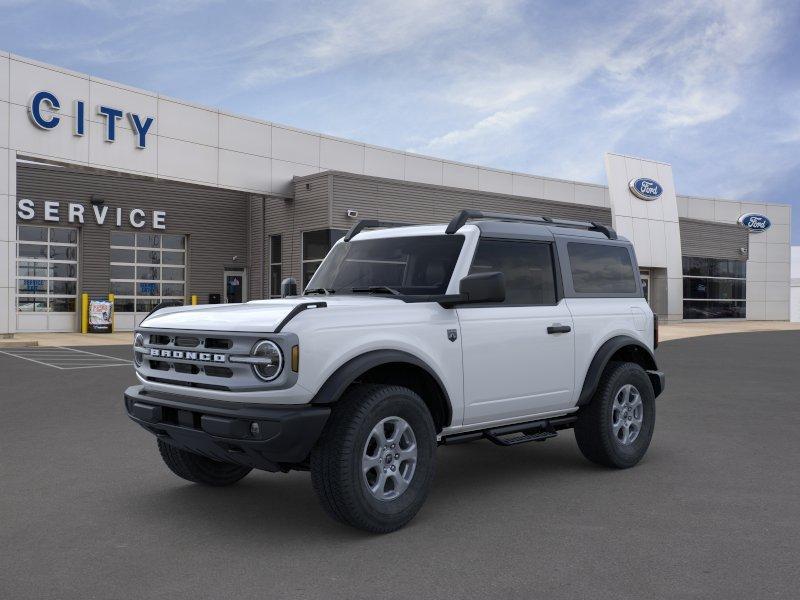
557,328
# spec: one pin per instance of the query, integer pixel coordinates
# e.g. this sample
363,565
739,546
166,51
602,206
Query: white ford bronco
499,327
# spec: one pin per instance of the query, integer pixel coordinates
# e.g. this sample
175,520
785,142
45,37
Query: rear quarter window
601,269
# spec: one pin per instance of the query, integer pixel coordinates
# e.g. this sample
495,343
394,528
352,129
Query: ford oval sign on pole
646,189
755,222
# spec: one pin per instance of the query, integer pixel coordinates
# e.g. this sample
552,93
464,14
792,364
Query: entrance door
235,286
646,286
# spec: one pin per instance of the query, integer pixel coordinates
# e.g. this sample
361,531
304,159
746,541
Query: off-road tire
336,471
594,431
199,469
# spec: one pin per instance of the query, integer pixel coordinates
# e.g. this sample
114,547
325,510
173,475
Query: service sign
100,316
755,222
646,189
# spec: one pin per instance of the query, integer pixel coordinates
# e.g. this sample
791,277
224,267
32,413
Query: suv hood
261,316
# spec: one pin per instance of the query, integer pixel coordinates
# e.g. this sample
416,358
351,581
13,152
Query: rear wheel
615,428
199,469
374,463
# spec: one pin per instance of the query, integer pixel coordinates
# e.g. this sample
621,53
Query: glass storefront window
275,265
316,245
714,288
139,281
47,269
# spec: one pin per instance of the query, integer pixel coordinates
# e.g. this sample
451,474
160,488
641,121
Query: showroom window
146,269
315,246
714,288
275,266
47,269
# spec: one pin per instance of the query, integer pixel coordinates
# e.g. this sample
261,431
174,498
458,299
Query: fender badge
452,335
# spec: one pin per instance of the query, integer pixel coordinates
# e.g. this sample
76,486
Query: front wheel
615,428
374,463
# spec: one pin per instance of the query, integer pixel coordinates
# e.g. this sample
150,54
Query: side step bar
518,433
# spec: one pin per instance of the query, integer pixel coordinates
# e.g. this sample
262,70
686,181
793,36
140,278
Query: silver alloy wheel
627,415
390,458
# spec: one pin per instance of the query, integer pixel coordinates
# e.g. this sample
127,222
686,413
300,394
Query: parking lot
87,509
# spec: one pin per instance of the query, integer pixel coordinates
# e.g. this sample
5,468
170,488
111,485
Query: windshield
415,265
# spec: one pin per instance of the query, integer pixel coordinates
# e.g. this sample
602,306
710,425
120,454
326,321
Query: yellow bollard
194,300
113,312
84,313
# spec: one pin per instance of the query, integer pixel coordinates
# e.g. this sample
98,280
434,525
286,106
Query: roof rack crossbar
369,224
465,215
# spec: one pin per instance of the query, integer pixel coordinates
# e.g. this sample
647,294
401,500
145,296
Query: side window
527,266
601,269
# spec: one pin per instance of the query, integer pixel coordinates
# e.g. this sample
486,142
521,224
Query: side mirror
288,287
482,287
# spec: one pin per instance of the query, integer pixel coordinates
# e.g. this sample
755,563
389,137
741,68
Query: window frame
304,261
566,267
698,301
136,297
530,239
47,296
273,264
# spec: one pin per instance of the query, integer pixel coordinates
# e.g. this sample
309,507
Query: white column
8,231
651,225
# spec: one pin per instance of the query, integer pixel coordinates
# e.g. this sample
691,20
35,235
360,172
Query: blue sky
712,87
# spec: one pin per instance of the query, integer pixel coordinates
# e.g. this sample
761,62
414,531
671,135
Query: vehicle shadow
274,506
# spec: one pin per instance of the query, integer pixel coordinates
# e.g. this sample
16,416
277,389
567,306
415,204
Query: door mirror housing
479,288
288,287
483,287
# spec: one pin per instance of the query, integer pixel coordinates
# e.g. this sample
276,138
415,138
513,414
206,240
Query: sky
712,87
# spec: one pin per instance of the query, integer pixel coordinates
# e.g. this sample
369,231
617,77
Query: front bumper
224,430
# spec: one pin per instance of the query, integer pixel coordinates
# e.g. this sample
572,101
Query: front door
235,286
518,355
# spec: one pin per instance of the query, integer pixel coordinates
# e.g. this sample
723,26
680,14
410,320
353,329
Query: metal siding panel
419,203
215,220
713,240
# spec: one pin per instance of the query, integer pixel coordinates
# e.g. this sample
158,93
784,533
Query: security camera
743,251
352,213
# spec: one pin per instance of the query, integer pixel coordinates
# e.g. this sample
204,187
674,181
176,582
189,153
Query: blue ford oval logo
755,222
646,189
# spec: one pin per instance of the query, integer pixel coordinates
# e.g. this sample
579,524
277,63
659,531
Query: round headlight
138,342
271,364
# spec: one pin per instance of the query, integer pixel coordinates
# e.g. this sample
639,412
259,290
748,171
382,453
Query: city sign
44,108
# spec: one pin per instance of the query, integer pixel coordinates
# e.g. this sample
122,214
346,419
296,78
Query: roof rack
465,215
369,224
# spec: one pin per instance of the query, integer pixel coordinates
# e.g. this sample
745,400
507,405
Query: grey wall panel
713,240
215,220
393,200
256,249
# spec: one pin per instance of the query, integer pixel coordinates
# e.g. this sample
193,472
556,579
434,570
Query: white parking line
67,359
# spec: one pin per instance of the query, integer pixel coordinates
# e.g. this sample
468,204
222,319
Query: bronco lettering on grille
202,356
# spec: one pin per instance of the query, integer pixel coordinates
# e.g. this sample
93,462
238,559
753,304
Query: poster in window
101,313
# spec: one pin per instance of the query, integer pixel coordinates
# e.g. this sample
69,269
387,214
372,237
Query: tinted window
412,265
601,269
527,267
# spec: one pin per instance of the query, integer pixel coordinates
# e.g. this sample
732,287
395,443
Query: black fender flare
603,355
340,380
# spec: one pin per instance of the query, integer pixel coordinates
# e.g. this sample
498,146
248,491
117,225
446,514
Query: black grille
187,342
186,368
215,371
159,365
159,340
218,343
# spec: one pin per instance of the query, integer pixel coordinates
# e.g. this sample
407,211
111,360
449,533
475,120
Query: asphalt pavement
87,509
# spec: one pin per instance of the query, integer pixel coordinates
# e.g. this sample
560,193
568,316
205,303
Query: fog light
255,428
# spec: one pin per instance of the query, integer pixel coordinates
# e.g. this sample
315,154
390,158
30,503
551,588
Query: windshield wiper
376,289
323,291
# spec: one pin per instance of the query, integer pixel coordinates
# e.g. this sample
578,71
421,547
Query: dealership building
107,189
